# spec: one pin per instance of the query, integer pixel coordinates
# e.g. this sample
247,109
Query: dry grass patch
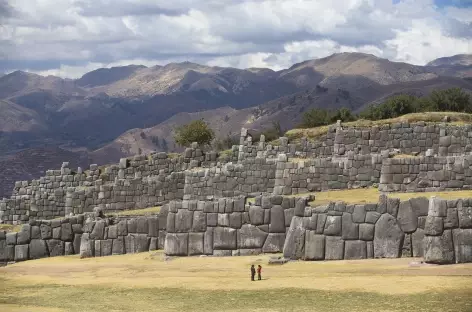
10,227
137,212
371,195
431,117
145,282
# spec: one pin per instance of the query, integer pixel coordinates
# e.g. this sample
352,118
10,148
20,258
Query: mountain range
114,112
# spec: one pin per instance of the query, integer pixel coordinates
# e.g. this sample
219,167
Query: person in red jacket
259,272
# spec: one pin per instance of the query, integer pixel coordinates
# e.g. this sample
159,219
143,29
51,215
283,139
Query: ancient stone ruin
243,203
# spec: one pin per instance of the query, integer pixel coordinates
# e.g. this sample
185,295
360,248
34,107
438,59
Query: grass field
146,282
371,195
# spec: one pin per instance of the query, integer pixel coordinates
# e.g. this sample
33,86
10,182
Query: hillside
99,111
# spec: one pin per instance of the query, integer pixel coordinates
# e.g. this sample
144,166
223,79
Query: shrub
195,131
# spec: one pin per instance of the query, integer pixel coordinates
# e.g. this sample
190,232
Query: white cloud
69,37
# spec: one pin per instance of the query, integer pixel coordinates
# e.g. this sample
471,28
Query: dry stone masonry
205,210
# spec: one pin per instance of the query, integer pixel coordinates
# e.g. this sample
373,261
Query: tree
195,131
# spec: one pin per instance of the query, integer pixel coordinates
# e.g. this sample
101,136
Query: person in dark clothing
259,272
253,272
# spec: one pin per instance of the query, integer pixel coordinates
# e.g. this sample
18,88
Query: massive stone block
332,226
372,217
38,249
407,218
195,244
465,216
142,226
55,247
98,231
21,252
135,243
355,249
121,228
434,226
224,238
366,231
250,237
274,243
388,237
153,227
235,220
183,221
439,249
407,249
334,248
420,206
66,232
437,207
417,242
35,232
199,221
277,220
350,230
452,220
256,215
208,242
294,246
106,247
24,235
3,250
118,246
359,214
176,244
462,239
314,246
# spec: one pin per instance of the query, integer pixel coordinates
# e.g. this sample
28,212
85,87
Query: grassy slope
145,282
432,117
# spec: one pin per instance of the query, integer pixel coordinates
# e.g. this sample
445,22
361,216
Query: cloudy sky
71,37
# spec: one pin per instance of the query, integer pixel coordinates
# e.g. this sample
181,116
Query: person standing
253,272
259,272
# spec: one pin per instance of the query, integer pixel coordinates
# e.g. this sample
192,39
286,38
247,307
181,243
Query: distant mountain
119,111
459,59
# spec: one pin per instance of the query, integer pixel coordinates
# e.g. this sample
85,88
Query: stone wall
351,171
226,227
85,234
388,229
426,174
448,231
250,176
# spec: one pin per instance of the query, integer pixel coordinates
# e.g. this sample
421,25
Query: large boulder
135,243
183,221
153,227
407,218
224,238
118,246
274,243
439,249
66,232
98,231
176,244
87,246
462,239
250,237
465,216
46,231
334,248
350,230
256,215
355,249
277,220
195,244
417,243
55,247
294,246
388,237
332,226
314,246
38,249
24,235
199,221
21,252
208,242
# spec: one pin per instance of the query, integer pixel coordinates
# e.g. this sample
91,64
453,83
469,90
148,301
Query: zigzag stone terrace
205,211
